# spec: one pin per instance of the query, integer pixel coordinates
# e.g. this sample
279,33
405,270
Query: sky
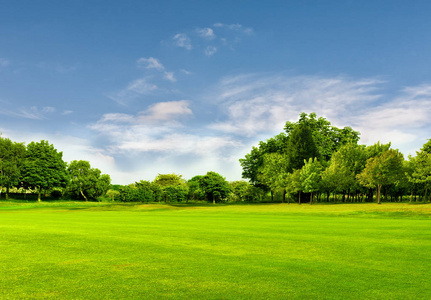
139,88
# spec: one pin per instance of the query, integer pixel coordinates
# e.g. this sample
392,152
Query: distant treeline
311,161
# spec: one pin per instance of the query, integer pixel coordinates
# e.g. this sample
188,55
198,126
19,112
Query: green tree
173,186
215,186
274,172
195,191
311,177
112,194
294,183
326,137
11,163
243,191
253,162
422,171
44,167
86,181
427,147
382,170
300,147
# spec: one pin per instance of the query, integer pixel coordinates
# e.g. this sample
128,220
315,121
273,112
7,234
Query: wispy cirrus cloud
208,41
256,103
134,89
259,104
235,27
154,63
33,112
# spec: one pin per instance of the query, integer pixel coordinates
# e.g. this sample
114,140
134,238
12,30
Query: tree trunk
283,199
82,194
7,193
213,199
38,194
311,198
299,197
379,188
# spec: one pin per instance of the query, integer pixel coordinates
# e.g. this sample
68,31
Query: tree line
39,168
311,161
315,161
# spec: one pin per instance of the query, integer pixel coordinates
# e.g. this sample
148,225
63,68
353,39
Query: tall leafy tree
382,170
44,167
214,186
422,171
253,162
311,177
274,172
300,147
86,181
327,138
11,162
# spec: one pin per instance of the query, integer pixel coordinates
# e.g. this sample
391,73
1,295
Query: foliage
112,194
11,163
44,167
311,176
301,147
215,187
87,182
242,191
173,187
382,170
326,137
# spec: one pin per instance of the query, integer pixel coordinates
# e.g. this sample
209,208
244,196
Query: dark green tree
215,187
300,147
11,163
44,167
327,138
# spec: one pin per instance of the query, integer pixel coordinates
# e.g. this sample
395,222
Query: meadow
76,250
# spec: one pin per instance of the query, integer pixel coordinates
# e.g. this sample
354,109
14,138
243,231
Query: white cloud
210,50
150,63
33,112
158,129
134,89
170,76
186,72
154,63
206,33
165,111
235,27
182,40
141,86
256,105
263,103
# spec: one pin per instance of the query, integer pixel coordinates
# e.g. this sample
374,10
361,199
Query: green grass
69,250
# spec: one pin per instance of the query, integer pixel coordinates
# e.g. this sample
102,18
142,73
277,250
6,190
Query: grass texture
69,250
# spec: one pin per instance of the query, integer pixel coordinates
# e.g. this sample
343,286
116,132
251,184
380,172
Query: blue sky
145,87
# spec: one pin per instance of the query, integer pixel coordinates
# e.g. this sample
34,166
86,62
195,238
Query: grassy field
66,250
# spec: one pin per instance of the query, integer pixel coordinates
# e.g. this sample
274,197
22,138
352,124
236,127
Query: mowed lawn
71,250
